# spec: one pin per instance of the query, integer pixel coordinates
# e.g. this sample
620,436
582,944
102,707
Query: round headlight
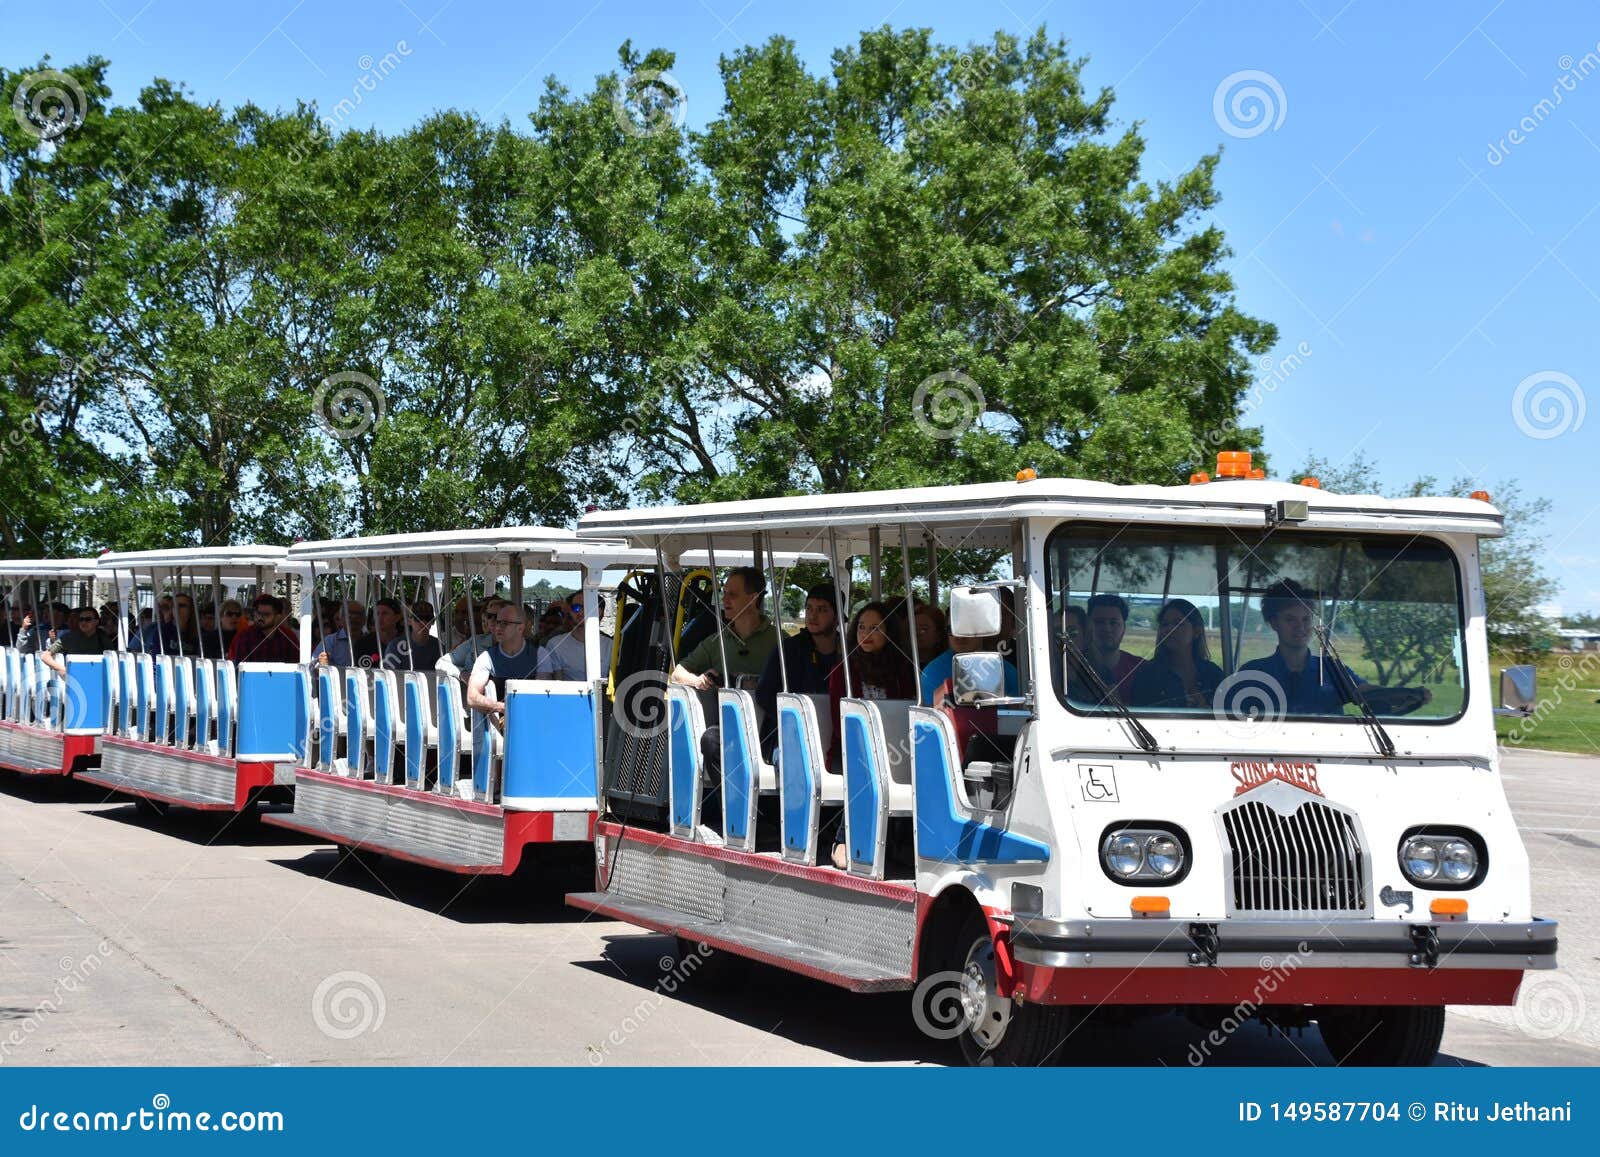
1458,861
1124,855
1163,855
1421,856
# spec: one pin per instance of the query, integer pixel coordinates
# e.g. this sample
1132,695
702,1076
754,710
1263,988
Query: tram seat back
804,780
87,696
144,695
455,733
330,716
745,775
163,697
949,830
357,721
686,722
877,772
112,662
274,712
183,701
227,707
205,703
488,750
386,727
422,733
550,759
13,665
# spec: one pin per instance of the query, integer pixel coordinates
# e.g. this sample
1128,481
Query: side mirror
976,677
1518,690
974,612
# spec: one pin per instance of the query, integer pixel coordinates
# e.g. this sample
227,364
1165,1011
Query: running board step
846,972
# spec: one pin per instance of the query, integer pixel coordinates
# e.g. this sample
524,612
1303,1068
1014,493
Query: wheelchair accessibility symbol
1098,782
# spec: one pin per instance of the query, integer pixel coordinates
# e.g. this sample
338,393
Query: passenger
530,630
417,649
458,663
749,640
1075,627
1180,673
232,620
1108,622
509,658
82,638
933,633
107,627
387,617
880,667
809,657
32,638
60,618
186,627
563,657
551,623
161,633
271,638
1308,685
349,623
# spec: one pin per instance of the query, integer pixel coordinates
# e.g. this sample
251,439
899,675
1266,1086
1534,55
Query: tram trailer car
1310,824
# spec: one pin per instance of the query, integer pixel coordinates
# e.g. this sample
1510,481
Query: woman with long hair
1180,673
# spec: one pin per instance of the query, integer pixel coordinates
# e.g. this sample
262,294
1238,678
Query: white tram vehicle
51,720
1311,808
195,723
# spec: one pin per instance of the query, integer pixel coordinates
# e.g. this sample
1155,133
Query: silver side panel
34,749
389,821
166,774
841,930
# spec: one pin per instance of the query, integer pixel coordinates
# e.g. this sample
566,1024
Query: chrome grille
1290,857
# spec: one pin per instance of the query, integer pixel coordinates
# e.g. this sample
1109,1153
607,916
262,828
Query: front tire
991,1029
1383,1035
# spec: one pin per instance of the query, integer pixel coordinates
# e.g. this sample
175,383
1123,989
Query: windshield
1238,626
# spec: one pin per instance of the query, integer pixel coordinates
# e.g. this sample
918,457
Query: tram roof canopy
234,562
23,568
980,515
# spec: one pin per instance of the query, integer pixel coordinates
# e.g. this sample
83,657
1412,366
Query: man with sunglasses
271,638
511,657
81,638
563,657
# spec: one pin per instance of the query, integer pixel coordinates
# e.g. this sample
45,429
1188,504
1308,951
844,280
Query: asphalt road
184,940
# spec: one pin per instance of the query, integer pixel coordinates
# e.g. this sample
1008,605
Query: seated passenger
748,639
936,674
563,657
1108,622
1308,684
933,633
368,649
880,668
349,624
83,638
417,649
511,657
809,658
1180,673
271,638
458,663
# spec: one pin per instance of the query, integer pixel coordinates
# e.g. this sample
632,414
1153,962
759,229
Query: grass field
1566,716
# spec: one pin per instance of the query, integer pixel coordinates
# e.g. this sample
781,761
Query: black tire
993,1031
1383,1035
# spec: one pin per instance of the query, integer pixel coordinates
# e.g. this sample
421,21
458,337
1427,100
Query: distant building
1578,638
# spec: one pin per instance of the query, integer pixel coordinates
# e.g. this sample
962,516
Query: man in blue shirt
1309,686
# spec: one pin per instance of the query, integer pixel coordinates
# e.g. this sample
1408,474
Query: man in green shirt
747,638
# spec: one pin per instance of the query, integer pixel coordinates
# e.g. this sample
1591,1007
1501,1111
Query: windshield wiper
1351,694
1141,733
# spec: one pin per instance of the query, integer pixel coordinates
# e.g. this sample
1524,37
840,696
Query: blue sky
1404,207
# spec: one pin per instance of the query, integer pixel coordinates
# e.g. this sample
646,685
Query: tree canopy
923,264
